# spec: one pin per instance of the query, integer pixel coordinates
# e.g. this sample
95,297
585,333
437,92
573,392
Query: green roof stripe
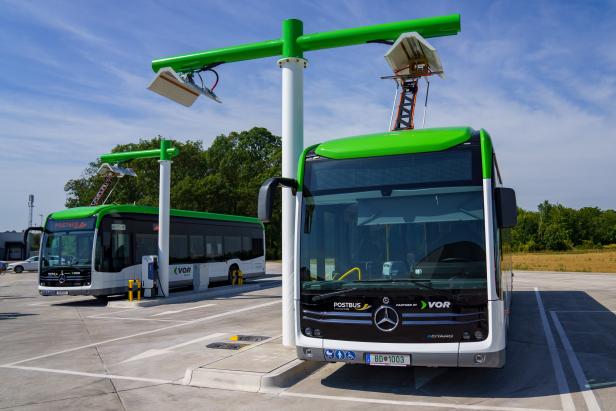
103,210
486,153
394,143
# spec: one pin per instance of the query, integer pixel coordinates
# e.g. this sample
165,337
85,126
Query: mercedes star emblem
386,318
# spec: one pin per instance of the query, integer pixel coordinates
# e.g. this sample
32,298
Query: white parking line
407,403
585,311
169,327
561,381
89,374
110,317
588,394
159,351
182,310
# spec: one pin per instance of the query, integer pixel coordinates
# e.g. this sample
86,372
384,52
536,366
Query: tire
18,269
231,269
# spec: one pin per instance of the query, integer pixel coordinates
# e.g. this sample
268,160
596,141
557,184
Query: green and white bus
401,250
96,250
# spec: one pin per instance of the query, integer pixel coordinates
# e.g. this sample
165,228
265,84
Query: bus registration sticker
391,360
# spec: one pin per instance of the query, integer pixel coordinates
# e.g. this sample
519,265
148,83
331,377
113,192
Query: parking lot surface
73,353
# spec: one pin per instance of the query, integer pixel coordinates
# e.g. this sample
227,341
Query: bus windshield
68,243
410,238
399,236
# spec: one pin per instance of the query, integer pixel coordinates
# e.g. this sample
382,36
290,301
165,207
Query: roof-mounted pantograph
411,57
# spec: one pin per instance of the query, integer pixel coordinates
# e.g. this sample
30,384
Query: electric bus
96,250
402,252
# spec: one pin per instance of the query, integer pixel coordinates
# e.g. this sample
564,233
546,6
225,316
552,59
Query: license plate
389,360
61,292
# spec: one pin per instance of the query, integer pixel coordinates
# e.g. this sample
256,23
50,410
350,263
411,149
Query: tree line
558,228
225,178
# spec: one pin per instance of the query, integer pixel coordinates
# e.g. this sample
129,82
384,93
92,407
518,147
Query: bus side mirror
266,196
27,238
27,233
506,207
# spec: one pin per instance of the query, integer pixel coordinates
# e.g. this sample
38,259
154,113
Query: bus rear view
398,251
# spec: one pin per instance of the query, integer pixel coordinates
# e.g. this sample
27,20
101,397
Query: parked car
3,266
31,264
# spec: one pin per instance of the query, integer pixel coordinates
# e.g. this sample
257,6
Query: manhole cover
226,346
249,338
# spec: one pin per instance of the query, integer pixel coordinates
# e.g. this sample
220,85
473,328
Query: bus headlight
466,335
308,331
478,334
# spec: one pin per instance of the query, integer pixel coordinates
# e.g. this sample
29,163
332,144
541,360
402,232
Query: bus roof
394,142
391,143
102,210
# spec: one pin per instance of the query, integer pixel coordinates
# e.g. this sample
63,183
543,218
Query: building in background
12,246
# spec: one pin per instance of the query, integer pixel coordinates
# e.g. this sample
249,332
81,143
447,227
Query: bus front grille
64,278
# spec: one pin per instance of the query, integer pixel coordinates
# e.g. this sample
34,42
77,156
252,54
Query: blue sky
540,76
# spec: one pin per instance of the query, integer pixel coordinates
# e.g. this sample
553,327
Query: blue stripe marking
421,315
338,320
443,322
337,313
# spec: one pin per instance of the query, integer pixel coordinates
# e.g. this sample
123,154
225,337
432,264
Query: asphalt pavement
73,353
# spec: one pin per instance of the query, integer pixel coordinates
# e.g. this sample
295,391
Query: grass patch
595,261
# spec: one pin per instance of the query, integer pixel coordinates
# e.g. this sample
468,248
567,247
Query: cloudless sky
539,76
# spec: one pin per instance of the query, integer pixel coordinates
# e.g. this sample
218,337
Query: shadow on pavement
13,315
528,371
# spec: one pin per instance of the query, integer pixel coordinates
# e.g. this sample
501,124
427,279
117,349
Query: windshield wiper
424,283
333,293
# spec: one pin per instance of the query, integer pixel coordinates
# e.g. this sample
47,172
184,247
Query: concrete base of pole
292,146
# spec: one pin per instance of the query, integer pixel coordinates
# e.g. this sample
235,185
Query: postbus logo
340,305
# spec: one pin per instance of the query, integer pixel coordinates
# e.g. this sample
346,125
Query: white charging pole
164,209
292,146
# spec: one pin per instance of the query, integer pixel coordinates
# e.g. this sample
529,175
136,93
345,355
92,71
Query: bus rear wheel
233,268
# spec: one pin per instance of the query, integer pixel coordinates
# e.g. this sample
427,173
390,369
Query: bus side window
233,246
213,248
145,244
120,251
257,244
178,249
197,248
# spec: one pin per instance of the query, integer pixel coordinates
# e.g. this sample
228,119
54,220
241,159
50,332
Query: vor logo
435,304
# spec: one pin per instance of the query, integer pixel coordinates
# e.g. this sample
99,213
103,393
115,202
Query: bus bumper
481,360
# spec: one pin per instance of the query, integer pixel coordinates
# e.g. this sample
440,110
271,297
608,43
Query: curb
188,296
288,375
271,382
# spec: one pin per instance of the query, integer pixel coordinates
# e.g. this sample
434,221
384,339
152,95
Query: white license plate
390,360
61,292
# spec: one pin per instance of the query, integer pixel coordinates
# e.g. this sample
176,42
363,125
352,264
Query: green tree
225,178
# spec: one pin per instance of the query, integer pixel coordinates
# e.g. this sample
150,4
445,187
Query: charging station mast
164,154
291,47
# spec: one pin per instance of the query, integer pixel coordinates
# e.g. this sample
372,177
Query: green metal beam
427,27
165,152
293,43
